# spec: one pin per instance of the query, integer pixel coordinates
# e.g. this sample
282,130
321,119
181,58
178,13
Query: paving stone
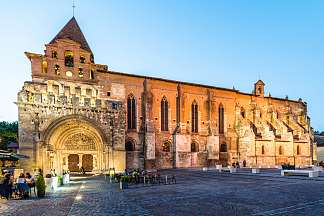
196,193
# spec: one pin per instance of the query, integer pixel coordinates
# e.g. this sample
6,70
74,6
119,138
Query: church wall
41,105
250,120
228,99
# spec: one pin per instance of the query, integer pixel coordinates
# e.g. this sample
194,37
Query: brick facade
260,129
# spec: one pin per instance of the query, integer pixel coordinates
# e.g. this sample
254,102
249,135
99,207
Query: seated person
21,185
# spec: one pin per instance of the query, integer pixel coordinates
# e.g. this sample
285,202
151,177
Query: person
30,180
244,163
237,164
22,186
7,186
82,170
233,164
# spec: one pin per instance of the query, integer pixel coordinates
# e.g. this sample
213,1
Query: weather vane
73,7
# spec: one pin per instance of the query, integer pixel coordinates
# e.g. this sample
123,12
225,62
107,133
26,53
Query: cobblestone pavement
54,204
196,193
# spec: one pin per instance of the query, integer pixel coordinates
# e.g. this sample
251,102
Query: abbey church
76,113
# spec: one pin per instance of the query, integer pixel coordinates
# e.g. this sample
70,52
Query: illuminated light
82,187
78,197
68,73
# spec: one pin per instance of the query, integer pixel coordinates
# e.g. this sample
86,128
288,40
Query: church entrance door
87,162
73,163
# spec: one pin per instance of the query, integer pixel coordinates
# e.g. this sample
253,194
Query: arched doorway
87,162
73,142
131,154
73,162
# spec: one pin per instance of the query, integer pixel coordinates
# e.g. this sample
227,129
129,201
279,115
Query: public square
196,193
126,107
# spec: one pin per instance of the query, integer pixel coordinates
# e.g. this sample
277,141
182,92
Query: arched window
44,66
242,112
68,58
54,54
91,75
221,118
280,150
57,69
259,91
82,59
223,147
131,112
194,117
166,146
262,150
129,146
80,72
298,150
164,114
194,147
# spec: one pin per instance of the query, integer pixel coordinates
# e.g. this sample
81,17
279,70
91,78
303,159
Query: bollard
166,179
120,185
144,180
110,179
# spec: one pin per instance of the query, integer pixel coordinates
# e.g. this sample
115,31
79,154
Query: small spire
73,7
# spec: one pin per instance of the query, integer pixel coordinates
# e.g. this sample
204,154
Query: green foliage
319,133
8,133
124,179
60,180
40,186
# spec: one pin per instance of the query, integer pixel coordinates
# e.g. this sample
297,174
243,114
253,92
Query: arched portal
75,142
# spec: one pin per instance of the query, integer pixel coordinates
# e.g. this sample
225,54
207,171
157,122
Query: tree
8,133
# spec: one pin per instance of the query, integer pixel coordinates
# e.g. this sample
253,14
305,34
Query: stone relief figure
36,122
80,142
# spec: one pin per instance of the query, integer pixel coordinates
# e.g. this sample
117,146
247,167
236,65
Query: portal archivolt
75,142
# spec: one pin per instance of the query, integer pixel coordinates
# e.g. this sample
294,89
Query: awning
8,157
5,155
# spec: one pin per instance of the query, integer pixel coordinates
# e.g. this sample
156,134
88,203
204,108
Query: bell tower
259,88
67,57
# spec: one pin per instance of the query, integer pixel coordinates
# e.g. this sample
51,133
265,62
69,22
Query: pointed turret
259,88
73,32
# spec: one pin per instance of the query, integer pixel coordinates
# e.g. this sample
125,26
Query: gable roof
73,32
259,82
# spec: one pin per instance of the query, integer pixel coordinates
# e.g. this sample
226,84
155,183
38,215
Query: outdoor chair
173,179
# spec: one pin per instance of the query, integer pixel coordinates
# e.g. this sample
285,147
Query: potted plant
60,180
66,177
48,180
40,186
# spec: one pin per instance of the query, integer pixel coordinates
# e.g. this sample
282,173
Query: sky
223,43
